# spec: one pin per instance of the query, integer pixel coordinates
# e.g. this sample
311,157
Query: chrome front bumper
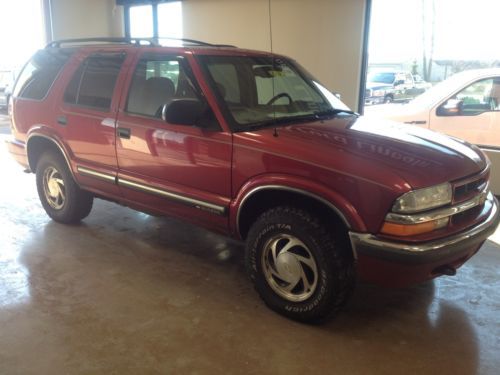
371,245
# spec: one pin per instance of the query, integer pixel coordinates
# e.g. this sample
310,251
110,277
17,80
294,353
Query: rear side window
93,83
40,72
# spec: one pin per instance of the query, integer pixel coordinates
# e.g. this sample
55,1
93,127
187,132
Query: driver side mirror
183,111
452,107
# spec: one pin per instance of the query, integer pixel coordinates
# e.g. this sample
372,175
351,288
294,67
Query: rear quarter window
40,72
93,84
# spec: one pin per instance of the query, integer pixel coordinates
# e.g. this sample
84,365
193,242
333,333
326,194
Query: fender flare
327,196
36,134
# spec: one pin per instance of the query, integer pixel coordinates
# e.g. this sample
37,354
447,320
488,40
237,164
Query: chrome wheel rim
289,268
53,188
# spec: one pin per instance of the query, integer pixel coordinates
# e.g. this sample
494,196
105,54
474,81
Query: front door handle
62,120
124,133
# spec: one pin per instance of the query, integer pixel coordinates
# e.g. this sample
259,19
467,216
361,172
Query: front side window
259,91
479,97
40,72
157,81
93,84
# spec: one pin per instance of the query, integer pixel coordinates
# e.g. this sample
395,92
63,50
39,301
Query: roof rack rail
195,42
136,41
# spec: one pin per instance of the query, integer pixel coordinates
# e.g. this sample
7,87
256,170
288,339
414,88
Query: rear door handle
62,120
124,133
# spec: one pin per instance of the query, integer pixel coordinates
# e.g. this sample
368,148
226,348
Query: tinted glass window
93,83
40,72
226,79
157,81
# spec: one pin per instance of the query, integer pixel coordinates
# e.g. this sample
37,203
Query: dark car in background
393,86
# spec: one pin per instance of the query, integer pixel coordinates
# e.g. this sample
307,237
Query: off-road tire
77,203
332,255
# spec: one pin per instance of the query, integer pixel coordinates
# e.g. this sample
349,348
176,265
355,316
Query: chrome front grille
468,189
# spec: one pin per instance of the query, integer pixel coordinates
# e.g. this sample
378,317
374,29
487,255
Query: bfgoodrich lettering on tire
60,196
297,266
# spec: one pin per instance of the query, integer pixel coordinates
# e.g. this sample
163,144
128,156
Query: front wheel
297,266
60,196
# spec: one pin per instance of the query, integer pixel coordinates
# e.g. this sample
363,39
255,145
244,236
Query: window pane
170,19
476,98
141,21
157,81
93,83
72,89
261,90
40,72
226,79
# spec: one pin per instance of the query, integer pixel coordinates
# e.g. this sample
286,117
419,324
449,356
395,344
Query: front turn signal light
405,230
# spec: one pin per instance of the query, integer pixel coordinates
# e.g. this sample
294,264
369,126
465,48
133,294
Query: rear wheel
297,266
60,196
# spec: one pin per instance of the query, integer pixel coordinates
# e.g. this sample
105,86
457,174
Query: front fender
322,193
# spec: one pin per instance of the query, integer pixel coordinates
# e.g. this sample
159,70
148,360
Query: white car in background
466,106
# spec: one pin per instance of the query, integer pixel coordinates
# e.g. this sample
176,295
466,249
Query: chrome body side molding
92,173
196,203
205,206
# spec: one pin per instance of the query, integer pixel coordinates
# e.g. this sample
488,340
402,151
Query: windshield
260,91
381,77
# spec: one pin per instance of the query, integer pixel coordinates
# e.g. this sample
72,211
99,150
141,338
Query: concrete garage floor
127,293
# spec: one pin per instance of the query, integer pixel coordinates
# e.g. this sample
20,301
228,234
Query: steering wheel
279,96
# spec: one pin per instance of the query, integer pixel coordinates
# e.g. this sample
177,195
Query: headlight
378,93
423,199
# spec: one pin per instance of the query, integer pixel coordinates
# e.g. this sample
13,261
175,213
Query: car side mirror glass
183,111
452,107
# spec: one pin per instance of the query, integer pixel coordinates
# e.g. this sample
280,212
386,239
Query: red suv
250,145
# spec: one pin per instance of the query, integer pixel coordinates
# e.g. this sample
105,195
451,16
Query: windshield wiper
281,121
334,111
315,116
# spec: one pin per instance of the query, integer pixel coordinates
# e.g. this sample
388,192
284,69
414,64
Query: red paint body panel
358,165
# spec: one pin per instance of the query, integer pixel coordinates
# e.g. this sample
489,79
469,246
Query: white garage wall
325,36
84,18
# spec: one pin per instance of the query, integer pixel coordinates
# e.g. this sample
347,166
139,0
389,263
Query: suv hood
375,149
